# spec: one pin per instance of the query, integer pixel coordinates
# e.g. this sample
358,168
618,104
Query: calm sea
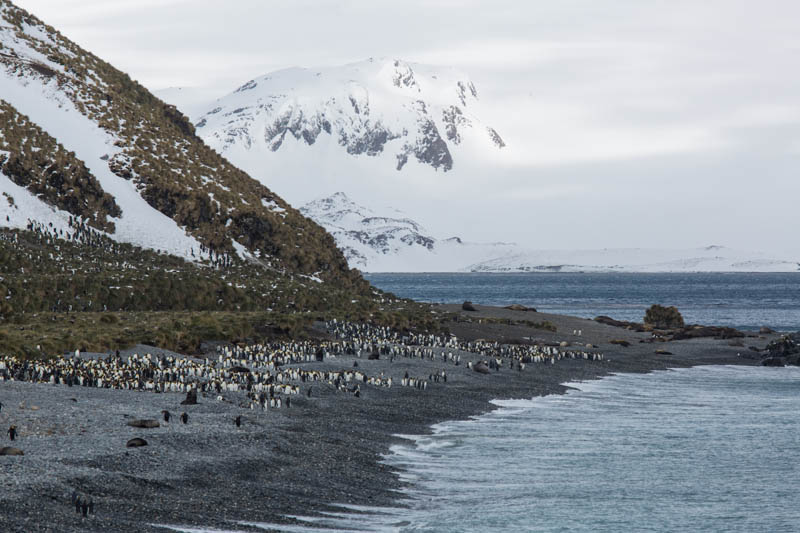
746,301
703,449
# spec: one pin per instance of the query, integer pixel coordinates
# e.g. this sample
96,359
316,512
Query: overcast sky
617,112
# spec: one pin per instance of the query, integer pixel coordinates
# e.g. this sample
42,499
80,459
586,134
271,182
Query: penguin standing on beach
238,421
12,432
166,415
309,392
184,418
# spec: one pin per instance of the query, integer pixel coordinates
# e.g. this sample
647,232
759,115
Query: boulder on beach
9,450
374,356
773,361
786,345
191,398
467,306
136,443
765,330
145,423
662,317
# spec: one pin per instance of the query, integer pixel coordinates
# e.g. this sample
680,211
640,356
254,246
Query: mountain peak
382,108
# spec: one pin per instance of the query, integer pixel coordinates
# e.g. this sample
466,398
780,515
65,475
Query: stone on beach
136,443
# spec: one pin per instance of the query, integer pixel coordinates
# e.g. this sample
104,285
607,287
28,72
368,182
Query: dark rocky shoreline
325,449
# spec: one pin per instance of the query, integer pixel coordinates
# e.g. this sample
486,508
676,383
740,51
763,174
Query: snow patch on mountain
41,96
139,224
19,207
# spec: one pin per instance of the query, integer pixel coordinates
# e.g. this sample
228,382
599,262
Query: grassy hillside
93,293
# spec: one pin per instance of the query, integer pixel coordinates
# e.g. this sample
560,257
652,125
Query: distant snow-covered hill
392,242
707,259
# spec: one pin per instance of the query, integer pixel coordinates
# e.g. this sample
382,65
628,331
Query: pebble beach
325,448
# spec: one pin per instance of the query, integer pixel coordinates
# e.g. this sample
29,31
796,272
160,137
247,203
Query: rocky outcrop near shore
783,351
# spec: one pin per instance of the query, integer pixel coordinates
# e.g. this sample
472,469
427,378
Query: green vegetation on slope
93,293
38,162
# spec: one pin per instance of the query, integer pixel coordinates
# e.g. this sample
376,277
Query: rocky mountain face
389,109
360,233
83,145
389,241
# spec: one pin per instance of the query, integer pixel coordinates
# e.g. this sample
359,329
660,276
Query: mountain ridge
375,107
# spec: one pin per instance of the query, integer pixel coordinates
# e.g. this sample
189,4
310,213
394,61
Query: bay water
741,300
710,449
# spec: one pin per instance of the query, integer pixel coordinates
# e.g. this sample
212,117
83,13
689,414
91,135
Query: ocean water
701,449
746,301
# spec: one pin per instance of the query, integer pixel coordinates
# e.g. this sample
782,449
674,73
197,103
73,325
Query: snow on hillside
42,98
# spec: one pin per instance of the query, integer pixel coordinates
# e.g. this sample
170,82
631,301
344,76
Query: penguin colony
271,374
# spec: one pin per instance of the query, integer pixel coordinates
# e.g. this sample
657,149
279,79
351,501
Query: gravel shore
324,449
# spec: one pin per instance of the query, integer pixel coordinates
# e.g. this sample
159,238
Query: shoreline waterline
441,436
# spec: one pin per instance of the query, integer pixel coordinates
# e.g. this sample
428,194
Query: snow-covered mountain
81,144
706,259
388,131
388,241
388,109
